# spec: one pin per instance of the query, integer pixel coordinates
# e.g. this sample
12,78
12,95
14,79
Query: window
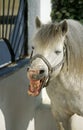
13,31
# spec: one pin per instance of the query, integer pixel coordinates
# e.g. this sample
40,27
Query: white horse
57,62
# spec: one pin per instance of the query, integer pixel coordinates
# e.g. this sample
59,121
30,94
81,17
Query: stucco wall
33,11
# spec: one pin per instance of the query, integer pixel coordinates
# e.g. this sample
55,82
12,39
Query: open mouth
36,83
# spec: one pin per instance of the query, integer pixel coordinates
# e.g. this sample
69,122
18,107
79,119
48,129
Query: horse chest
58,97
63,100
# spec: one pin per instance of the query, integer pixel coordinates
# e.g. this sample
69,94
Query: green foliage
64,9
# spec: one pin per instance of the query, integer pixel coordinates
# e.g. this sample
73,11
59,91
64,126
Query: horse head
47,57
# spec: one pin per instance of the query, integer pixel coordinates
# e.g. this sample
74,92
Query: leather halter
50,68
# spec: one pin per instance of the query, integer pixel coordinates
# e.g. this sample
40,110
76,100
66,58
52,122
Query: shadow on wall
44,119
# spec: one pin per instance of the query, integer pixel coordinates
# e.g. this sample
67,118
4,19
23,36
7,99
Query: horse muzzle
37,80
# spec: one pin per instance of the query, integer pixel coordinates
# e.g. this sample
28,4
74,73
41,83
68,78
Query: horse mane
74,42
47,32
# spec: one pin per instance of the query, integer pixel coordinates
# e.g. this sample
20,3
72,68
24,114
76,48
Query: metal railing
13,27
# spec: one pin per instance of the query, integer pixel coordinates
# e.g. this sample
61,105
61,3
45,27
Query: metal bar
3,7
12,18
25,28
24,45
22,49
17,32
12,39
10,49
16,36
0,15
7,19
19,41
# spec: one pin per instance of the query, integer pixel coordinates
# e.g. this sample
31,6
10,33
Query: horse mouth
36,83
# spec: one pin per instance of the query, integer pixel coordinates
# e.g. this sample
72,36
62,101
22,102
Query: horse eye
57,52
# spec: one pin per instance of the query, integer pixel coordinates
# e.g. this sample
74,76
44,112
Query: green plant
64,9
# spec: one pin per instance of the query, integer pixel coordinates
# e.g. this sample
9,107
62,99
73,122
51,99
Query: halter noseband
50,68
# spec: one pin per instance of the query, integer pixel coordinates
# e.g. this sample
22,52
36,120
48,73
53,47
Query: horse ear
38,22
64,27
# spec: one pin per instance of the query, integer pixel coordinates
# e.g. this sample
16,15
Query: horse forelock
48,33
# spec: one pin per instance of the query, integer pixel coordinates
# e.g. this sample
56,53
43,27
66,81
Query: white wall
45,10
34,10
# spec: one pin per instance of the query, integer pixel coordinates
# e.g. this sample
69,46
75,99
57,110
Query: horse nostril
41,71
